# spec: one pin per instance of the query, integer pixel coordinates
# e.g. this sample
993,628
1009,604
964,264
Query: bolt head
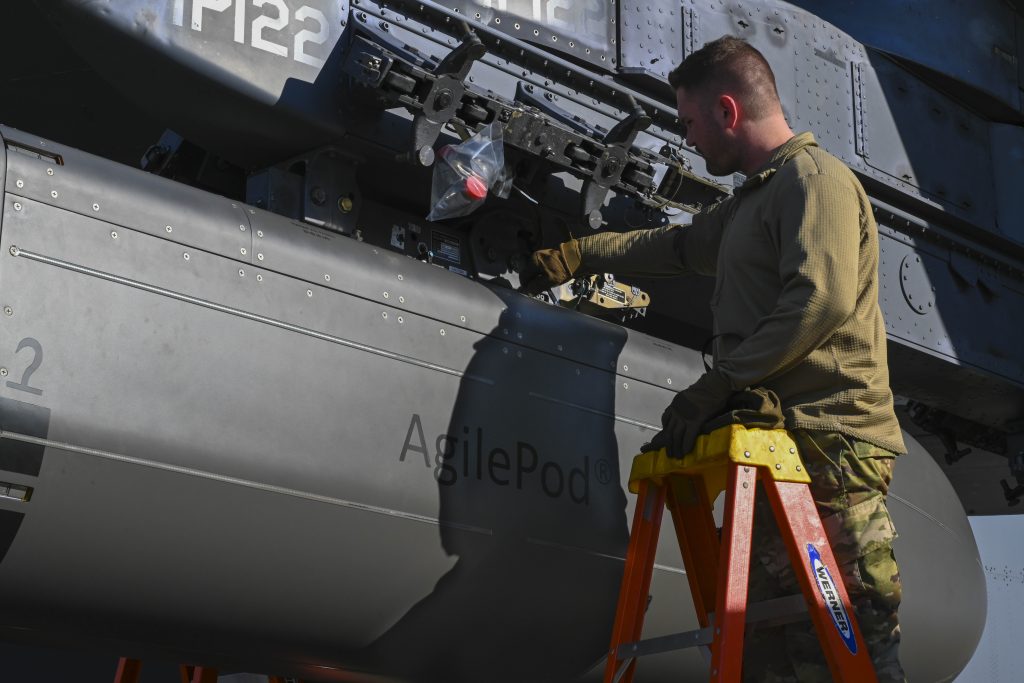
3,372
8,311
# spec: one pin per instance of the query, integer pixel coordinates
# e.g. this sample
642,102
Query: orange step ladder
732,458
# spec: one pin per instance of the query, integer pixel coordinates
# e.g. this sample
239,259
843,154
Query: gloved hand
690,409
547,268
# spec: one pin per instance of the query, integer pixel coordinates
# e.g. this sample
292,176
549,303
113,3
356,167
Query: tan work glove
547,268
690,409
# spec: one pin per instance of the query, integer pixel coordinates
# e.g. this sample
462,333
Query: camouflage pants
849,483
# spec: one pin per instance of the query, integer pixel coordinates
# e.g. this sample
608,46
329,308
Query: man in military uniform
794,253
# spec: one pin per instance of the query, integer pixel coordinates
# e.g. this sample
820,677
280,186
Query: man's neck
762,139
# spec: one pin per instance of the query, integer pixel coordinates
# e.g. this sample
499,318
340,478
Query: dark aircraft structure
257,412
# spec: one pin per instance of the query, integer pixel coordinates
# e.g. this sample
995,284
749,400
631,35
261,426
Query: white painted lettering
305,36
266,22
199,5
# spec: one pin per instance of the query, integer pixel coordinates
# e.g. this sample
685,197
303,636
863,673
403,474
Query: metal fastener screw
625,367
625,385
259,233
242,228
244,252
95,207
669,380
746,454
771,448
386,295
259,256
327,278
401,299
259,278
778,466
17,206
400,319
462,318
798,468
746,485
3,372
400,277
49,171
169,229
187,257
792,450
309,292
241,272
113,233
53,193
14,251
384,315
8,311
442,332
20,183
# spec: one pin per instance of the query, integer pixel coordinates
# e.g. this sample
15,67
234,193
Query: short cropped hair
730,66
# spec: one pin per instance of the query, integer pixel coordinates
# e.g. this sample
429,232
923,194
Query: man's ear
729,109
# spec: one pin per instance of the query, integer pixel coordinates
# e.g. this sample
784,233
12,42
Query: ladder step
773,612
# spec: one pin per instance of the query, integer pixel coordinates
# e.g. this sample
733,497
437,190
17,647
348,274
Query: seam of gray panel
242,314
602,413
247,483
85,270
295,493
922,512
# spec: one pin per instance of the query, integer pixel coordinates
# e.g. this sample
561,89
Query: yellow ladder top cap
771,449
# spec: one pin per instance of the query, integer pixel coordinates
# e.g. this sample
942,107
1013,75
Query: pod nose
944,595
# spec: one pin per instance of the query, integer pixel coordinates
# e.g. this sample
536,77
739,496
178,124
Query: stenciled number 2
26,376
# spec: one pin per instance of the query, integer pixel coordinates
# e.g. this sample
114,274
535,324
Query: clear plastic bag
464,173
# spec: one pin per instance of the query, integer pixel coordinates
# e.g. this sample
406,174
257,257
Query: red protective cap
475,188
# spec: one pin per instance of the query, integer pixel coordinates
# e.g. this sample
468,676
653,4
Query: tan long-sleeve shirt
794,253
